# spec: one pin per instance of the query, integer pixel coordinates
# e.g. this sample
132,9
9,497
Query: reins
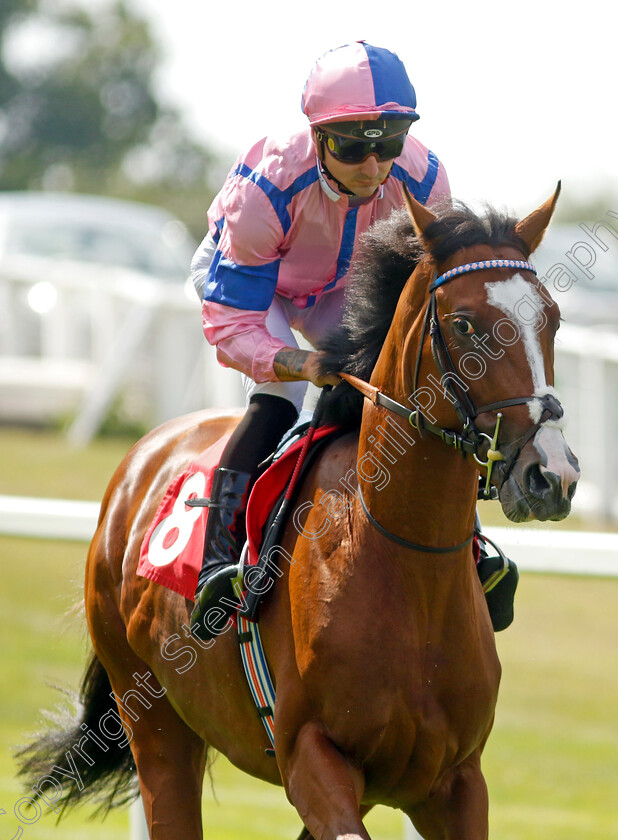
450,438
431,549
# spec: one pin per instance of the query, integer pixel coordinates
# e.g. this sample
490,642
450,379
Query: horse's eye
463,326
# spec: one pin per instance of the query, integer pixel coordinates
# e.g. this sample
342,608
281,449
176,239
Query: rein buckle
451,439
493,455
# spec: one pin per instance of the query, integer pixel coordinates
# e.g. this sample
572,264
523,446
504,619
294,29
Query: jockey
283,232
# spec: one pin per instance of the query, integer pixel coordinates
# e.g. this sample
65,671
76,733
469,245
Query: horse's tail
72,764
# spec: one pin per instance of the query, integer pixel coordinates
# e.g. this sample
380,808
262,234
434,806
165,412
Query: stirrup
215,594
499,577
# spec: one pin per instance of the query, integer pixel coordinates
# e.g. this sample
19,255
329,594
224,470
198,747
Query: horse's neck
423,493
415,487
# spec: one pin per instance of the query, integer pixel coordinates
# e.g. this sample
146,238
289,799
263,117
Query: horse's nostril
544,484
536,481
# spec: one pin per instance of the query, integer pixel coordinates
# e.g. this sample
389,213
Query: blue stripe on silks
249,287
279,198
212,270
253,287
301,183
274,194
347,246
345,253
390,80
421,190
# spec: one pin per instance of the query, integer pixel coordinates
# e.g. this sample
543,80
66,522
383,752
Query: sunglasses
352,150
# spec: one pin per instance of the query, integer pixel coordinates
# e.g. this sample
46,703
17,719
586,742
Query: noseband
471,440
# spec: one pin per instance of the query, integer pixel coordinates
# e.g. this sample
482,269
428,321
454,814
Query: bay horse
378,635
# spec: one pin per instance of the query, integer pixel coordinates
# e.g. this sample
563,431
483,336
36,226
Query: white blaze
525,307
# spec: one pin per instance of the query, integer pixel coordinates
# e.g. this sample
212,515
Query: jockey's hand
292,364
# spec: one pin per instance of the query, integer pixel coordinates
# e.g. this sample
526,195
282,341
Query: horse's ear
533,227
420,215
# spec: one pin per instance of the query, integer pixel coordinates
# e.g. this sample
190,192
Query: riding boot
499,576
225,536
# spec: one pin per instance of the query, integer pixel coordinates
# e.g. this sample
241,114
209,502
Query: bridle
464,406
470,441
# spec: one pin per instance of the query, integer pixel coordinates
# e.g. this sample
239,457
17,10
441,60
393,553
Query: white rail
61,519
543,549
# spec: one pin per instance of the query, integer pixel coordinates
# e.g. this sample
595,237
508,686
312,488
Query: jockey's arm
291,364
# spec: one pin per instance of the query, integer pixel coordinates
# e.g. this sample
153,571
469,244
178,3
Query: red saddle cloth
172,549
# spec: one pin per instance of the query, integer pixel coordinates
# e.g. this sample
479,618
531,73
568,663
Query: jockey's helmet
359,82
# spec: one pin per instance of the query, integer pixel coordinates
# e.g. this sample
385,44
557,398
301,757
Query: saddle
172,548
258,566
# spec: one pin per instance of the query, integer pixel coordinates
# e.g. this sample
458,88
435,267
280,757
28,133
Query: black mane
389,254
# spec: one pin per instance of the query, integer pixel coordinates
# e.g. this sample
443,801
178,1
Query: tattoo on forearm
289,362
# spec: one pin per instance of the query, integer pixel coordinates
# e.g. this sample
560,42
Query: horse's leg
170,758
324,787
458,810
305,835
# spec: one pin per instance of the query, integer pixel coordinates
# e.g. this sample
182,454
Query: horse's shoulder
332,464
336,460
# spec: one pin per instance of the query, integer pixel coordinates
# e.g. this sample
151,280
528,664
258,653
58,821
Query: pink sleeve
251,237
241,339
252,234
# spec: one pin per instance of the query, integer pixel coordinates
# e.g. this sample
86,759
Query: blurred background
118,124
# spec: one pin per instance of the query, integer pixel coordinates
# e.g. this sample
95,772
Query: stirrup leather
495,577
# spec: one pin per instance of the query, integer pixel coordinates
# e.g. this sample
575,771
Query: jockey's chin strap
470,440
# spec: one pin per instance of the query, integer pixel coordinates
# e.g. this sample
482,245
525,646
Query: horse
377,635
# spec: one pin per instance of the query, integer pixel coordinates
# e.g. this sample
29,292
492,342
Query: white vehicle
76,276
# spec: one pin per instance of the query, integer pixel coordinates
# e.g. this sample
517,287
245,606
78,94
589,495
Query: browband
475,266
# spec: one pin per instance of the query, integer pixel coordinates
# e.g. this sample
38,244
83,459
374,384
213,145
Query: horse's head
485,356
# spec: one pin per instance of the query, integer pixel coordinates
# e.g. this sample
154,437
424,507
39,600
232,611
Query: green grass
39,463
551,762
